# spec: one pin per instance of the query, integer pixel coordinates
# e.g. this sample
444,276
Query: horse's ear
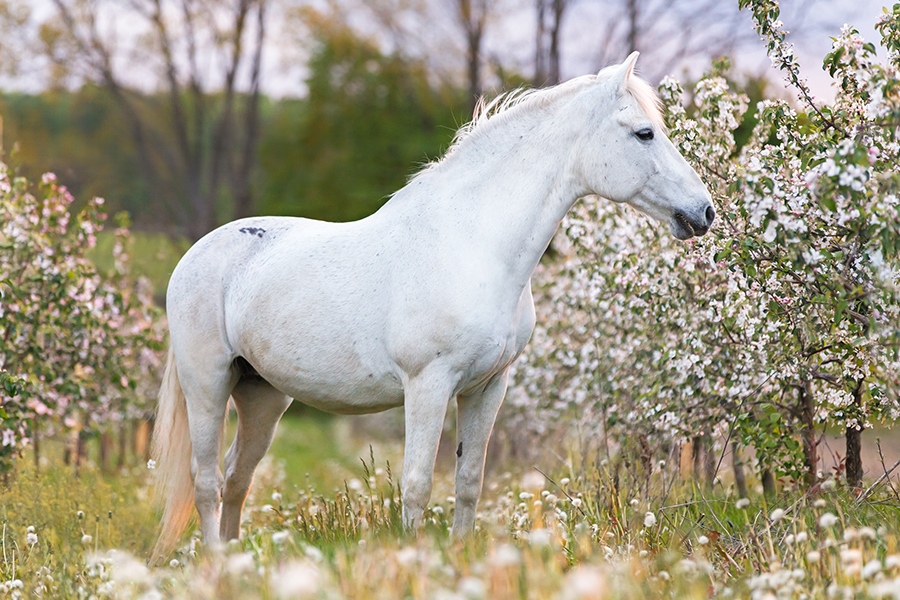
626,69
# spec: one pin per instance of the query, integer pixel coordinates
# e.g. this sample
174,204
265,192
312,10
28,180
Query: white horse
427,300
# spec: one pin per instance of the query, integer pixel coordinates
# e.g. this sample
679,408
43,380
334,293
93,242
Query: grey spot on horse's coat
459,450
257,231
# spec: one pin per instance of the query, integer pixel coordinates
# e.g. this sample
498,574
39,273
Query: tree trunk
67,450
472,15
540,65
646,461
808,433
243,195
632,38
709,461
737,465
768,483
123,444
853,465
553,74
853,437
203,217
36,446
105,446
696,455
80,451
474,69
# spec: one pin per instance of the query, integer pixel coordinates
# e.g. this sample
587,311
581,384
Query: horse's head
625,155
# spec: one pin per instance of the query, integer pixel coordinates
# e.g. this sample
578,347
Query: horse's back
212,262
213,266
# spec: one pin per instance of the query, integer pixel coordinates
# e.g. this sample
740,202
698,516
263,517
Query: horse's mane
488,114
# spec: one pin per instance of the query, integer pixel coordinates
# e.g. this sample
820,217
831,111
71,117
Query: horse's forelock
647,99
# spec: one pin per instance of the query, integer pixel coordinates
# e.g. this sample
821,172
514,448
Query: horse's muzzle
686,226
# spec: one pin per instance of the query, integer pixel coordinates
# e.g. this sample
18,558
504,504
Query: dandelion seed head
827,520
280,537
871,568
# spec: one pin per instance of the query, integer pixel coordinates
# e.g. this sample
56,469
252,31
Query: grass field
335,533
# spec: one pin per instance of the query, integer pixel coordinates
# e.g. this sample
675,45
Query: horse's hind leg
259,407
207,385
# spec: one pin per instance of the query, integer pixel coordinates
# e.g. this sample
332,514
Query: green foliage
80,137
13,397
368,117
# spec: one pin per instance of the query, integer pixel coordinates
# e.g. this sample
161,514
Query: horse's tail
174,486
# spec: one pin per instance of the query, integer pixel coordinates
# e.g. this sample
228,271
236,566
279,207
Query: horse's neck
503,194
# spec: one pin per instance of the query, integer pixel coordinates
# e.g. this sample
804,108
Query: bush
80,347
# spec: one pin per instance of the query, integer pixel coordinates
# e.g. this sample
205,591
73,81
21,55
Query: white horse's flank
426,300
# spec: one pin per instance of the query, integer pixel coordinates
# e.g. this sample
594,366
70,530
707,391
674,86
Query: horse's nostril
710,215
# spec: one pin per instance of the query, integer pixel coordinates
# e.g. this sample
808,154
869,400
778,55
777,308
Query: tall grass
582,531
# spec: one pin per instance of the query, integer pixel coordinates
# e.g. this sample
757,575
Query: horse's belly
338,390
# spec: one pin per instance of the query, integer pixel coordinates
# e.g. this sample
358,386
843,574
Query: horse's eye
645,135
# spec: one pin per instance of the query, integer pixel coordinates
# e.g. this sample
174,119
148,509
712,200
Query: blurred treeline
368,120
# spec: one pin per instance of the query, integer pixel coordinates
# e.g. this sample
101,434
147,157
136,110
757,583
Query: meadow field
323,521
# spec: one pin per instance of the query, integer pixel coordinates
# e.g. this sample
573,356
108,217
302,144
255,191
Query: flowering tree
76,344
12,416
783,318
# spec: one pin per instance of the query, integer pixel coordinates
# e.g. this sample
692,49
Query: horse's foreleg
475,420
259,407
425,406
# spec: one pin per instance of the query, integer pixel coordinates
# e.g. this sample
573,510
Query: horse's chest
475,342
